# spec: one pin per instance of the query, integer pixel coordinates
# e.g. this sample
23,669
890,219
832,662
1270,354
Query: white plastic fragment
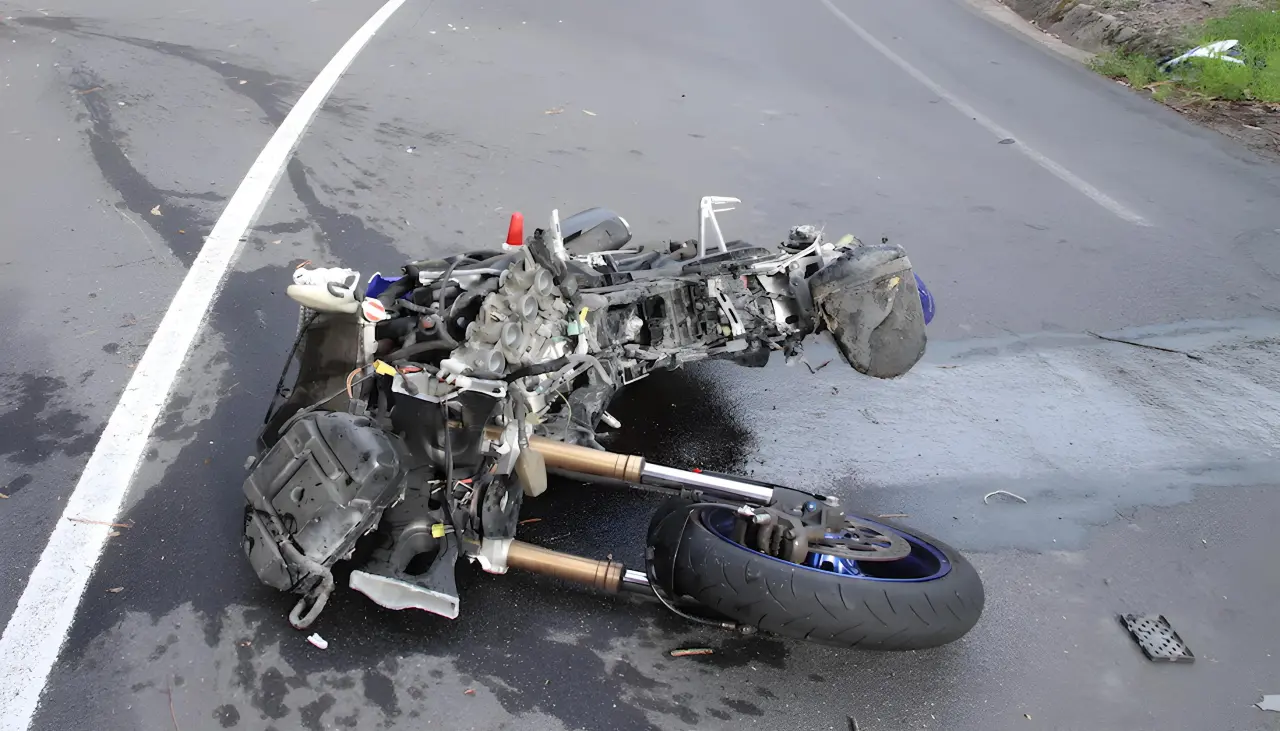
318,641
1019,498
1217,50
1269,703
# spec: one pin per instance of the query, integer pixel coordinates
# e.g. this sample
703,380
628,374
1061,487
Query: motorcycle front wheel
929,597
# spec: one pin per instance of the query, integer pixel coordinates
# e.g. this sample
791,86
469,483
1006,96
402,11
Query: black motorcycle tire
820,606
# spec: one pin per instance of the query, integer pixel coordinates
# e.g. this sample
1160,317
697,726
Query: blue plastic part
924,563
378,284
926,300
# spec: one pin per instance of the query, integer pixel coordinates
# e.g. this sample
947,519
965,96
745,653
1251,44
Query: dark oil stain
285,227
51,22
633,678
227,715
163,647
743,707
717,713
173,423
351,721
764,692
35,424
111,348
246,675
668,708
312,713
16,484
379,690
270,699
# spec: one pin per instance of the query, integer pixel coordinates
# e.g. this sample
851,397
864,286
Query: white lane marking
38,628
1058,171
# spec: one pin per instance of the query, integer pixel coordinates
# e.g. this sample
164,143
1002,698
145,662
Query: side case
869,300
319,488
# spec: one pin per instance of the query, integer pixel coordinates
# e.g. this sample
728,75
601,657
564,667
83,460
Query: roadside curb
1084,26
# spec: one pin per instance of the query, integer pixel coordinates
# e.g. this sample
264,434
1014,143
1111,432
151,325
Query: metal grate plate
1156,637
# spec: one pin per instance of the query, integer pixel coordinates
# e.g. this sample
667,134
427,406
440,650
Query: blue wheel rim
925,562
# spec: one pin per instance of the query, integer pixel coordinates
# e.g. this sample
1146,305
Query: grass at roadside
1257,79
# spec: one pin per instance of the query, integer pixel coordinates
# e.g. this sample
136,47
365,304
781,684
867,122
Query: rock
1124,35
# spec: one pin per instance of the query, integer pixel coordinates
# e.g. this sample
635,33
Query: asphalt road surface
1038,201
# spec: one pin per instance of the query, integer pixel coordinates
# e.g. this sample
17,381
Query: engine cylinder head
526,308
543,283
490,361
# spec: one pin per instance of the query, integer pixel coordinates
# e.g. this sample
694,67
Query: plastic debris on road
987,497
318,641
1269,703
1222,50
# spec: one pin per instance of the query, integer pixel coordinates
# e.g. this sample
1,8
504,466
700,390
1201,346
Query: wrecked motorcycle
426,407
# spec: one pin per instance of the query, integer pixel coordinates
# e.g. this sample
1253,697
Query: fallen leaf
692,651
100,522
530,520
156,211
182,231
588,112
554,110
115,590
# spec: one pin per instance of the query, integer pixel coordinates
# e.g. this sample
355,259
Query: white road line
1058,171
34,637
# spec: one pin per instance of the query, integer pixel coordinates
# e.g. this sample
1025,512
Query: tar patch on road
37,423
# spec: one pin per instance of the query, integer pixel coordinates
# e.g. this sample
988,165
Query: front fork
592,465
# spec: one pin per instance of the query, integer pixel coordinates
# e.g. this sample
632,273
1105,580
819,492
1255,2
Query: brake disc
860,541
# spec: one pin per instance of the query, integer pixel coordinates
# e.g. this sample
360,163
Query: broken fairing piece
1220,50
325,290
396,594
1019,498
318,641
1269,703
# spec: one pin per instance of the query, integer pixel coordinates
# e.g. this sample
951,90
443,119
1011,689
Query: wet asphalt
1149,476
